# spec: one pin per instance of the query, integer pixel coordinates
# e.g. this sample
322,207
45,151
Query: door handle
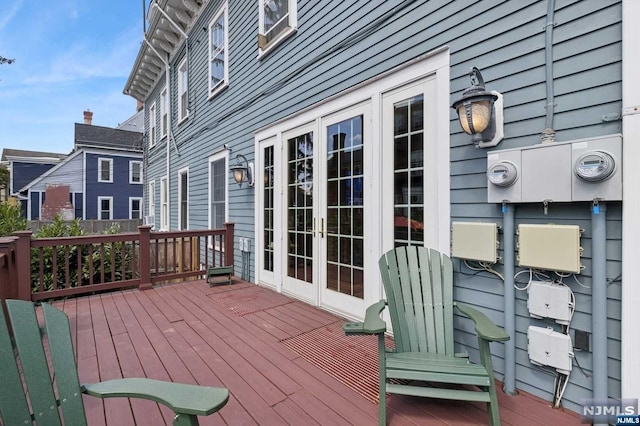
322,227
313,228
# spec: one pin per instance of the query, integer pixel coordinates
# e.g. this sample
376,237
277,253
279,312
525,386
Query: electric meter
503,173
594,166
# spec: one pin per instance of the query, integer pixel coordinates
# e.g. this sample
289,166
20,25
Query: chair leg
492,405
382,385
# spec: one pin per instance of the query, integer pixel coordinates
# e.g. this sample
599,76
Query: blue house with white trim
315,100
104,173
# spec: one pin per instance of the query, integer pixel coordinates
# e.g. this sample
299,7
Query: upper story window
135,171
105,170
164,112
278,19
183,91
219,51
152,125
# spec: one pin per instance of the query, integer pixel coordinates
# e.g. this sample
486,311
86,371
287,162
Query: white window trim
224,10
100,199
215,157
153,134
181,172
110,161
151,199
131,164
131,200
183,70
164,200
293,27
164,110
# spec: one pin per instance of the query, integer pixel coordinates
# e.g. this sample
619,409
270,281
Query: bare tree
4,60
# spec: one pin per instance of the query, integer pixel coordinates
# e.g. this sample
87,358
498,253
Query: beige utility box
550,247
475,241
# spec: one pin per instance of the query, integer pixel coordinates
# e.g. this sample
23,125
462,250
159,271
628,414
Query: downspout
508,226
599,299
186,38
548,134
168,106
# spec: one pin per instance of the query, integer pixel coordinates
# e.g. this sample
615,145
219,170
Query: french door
342,185
323,209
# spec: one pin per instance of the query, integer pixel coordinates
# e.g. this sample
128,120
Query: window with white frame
277,19
164,113
183,198
135,208
183,90
152,125
218,51
164,204
105,170
135,171
105,208
151,197
217,191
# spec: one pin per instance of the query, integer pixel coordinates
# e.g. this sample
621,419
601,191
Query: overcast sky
70,55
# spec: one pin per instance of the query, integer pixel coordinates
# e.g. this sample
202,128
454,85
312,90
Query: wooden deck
283,361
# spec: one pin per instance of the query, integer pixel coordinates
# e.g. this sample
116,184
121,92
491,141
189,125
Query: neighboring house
104,173
24,166
346,110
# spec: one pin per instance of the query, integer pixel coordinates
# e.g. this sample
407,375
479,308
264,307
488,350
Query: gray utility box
579,170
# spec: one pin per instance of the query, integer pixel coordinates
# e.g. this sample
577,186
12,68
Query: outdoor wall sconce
480,112
242,172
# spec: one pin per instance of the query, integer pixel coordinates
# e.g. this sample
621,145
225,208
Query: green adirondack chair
28,394
418,283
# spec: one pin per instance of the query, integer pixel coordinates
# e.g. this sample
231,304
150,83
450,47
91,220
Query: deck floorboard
242,337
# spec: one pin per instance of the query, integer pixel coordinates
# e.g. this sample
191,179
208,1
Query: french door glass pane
408,166
345,219
300,207
268,208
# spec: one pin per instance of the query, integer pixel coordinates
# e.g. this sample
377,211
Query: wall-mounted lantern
242,172
480,112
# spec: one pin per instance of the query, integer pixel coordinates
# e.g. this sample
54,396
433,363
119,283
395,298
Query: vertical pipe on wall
548,56
508,226
599,299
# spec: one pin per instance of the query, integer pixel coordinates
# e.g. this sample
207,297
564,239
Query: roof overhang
169,22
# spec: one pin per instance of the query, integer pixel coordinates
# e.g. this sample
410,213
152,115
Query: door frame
435,65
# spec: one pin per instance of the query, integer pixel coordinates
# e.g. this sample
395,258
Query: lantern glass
238,175
475,115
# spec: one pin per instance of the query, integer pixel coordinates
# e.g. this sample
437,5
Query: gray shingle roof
9,152
87,135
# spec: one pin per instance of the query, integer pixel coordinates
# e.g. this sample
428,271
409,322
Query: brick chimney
88,116
139,106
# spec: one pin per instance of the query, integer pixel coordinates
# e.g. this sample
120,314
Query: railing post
228,244
144,259
8,284
23,264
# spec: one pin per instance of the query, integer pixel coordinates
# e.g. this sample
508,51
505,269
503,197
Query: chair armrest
485,328
179,397
372,324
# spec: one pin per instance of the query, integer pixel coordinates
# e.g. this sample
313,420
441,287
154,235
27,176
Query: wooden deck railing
46,268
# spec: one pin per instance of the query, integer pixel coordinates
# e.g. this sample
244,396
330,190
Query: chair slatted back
419,287
45,391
